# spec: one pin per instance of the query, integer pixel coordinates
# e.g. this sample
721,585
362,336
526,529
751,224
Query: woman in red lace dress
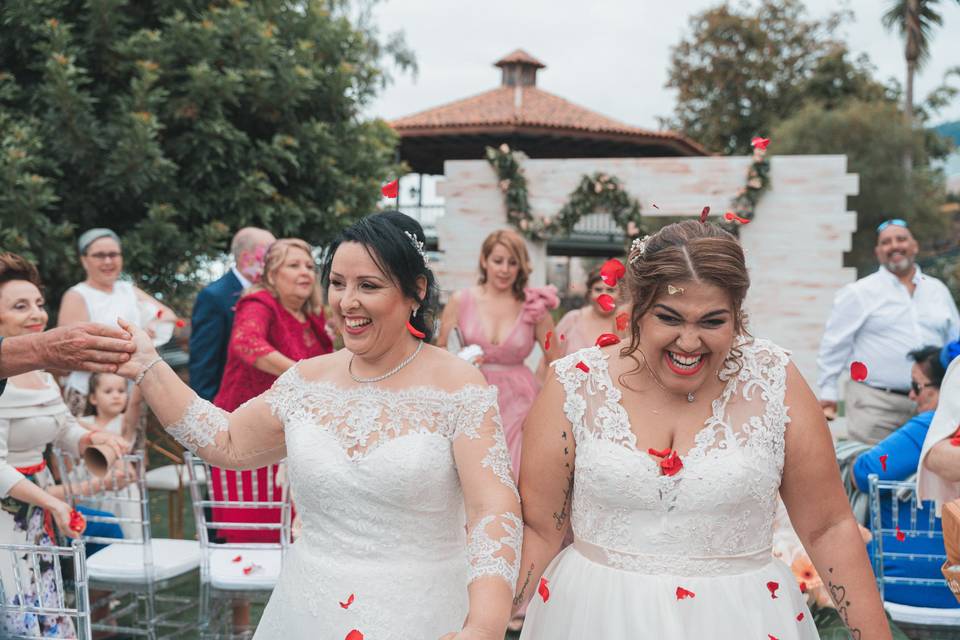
278,322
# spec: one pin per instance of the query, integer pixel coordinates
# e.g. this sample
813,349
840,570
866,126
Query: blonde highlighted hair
273,260
514,243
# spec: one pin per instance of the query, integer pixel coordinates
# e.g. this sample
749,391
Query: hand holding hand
144,354
84,347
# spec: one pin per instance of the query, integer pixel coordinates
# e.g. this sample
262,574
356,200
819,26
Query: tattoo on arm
519,599
839,594
560,517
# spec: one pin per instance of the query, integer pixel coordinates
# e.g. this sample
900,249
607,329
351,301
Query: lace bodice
718,508
385,482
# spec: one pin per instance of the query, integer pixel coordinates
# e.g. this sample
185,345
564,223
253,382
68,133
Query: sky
608,55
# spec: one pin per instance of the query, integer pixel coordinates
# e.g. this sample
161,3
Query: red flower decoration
544,589
416,333
180,324
238,559
883,461
772,588
800,616
583,367
683,594
760,143
607,339
704,214
546,342
901,536
606,302
622,320
346,605
611,271
78,523
390,190
671,465
354,635
730,216
858,371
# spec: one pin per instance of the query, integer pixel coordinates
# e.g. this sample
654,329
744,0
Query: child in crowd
107,407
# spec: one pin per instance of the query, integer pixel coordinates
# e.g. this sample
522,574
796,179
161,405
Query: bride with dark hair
411,520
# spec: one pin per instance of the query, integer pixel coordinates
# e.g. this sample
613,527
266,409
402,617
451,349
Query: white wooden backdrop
794,246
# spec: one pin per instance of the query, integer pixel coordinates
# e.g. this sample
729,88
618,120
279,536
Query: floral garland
744,204
596,192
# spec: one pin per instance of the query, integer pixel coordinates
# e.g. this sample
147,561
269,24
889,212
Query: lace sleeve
250,326
494,527
250,437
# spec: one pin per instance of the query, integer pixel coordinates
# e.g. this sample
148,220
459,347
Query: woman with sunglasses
896,458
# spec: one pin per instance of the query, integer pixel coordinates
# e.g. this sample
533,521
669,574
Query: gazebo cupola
519,69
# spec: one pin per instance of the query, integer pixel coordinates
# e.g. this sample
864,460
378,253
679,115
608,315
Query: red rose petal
606,302
354,635
78,524
580,365
346,605
901,536
390,190
704,214
760,143
607,339
611,271
238,559
562,337
770,637
772,587
180,324
622,320
955,441
803,587
159,313
858,371
660,454
248,570
544,589
683,593
546,342
883,461
730,216
671,465
800,616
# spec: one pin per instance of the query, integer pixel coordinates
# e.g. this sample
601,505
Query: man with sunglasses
878,320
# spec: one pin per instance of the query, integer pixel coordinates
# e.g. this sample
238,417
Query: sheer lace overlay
494,547
704,520
199,425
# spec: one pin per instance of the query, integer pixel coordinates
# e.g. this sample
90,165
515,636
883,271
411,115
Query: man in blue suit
212,318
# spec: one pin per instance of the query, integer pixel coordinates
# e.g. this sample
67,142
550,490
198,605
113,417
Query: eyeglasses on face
917,387
107,255
897,222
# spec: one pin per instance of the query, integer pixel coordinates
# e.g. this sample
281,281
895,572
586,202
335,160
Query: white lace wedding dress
380,479
682,557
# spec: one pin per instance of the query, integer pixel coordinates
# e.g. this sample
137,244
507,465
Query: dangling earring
415,309
416,333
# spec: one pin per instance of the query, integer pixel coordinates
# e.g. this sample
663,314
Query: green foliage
874,137
175,122
914,20
741,70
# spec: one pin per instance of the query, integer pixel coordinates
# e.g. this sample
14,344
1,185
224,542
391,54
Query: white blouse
30,419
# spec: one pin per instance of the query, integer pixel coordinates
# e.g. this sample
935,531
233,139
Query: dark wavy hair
15,267
382,235
929,360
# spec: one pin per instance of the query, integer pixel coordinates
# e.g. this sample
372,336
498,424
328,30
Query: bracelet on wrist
147,368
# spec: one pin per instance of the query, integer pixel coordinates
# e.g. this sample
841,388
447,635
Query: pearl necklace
386,375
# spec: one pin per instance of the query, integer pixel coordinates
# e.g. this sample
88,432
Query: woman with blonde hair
506,319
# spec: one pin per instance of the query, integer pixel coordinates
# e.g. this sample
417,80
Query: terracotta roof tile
519,57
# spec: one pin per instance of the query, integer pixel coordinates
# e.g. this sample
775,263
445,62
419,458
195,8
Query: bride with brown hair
667,456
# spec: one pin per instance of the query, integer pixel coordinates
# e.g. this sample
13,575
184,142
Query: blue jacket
211,324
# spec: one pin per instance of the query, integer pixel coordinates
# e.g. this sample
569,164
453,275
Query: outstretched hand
145,351
87,346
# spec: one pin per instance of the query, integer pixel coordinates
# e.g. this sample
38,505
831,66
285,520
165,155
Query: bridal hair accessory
639,245
674,291
418,246
386,375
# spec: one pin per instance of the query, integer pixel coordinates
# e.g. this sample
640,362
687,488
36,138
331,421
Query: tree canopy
175,122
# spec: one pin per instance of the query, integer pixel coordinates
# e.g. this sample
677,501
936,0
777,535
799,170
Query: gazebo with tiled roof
527,118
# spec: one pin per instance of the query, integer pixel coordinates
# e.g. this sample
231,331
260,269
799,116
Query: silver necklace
690,397
386,375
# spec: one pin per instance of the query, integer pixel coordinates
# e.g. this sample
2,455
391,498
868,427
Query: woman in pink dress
278,322
579,328
506,319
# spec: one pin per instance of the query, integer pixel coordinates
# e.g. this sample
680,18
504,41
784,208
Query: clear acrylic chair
137,565
901,496
22,602
245,571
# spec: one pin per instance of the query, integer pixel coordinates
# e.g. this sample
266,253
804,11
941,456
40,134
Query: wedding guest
896,458
108,407
878,320
103,297
213,310
507,319
33,415
579,328
938,475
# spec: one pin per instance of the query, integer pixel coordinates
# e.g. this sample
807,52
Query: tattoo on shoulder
838,593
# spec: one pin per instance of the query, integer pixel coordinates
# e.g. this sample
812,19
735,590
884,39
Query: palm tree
915,20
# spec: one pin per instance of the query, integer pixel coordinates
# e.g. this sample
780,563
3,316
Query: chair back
122,490
211,514
901,496
21,569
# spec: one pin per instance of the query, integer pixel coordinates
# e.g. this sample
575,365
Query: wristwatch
3,381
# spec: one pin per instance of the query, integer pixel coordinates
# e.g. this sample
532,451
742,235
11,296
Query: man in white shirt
878,320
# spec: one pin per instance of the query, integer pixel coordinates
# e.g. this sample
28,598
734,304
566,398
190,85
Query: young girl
107,406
